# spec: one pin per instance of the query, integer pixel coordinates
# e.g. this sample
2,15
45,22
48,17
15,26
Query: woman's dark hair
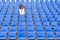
21,6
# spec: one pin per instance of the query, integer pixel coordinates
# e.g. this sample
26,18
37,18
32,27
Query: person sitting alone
22,10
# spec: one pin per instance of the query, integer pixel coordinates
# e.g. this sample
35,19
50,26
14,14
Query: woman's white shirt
22,11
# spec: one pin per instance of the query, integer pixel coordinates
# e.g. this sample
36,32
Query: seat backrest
47,1
57,1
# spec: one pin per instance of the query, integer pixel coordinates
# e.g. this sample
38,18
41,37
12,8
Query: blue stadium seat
54,23
31,35
3,35
12,35
40,35
30,28
13,29
58,35
4,29
50,35
22,28
57,29
21,35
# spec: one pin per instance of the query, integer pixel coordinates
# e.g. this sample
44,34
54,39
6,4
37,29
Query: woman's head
21,6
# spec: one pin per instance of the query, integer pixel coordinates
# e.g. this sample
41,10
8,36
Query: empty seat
58,35
21,35
50,35
31,35
12,35
3,35
13,29
40,35
54,23
4,29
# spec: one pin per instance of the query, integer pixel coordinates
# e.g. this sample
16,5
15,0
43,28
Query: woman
22,10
